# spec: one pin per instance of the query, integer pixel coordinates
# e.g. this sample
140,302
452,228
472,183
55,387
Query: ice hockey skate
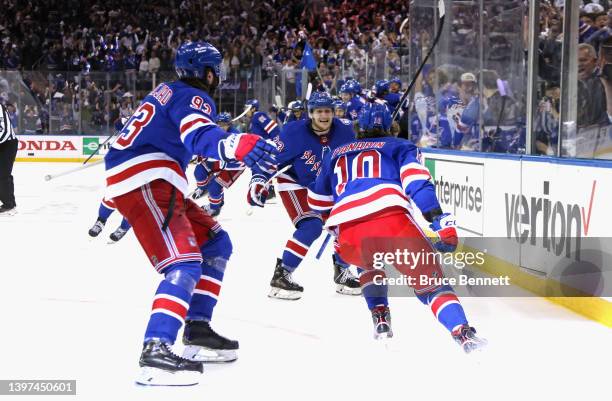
159,366
282,284
203,344
199,193
346,282
97,228
213,212
8,211
117,235
381,317
466,337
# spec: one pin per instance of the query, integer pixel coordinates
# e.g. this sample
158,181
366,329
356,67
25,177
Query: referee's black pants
8,152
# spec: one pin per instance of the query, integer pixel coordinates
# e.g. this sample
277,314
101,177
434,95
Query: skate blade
383,336
344,290
149,376
476,347
11,212
207,355
279,293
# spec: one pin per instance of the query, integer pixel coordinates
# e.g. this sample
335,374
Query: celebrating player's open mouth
321,120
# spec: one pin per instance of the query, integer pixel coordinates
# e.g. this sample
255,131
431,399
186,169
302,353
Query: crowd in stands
594,58
136,40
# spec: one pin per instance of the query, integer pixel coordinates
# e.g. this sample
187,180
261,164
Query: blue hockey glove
252,150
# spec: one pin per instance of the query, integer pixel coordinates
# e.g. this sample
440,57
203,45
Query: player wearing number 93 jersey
145,176
367,185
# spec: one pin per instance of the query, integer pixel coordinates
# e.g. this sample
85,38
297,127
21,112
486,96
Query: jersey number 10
141,117
365,165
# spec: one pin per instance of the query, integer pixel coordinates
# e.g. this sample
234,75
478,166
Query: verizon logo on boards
561,226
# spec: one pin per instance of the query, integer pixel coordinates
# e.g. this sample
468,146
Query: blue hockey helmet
339,104
296,105
355,86
374,115
381,87
396,80
320,100
347,88
224,117
193,58
254,103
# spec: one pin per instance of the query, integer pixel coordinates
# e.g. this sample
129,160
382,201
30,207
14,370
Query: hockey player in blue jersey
393,96
260,123
217,175
145,177
107,207
366,186
301,145
296,111
350,96
339,109
381,89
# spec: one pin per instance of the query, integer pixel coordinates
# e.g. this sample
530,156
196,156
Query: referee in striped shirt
8,152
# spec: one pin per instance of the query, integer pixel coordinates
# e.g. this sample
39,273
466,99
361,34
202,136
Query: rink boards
60,148
543,221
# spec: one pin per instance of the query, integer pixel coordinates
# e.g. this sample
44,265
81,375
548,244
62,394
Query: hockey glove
258,191
444,225
250,149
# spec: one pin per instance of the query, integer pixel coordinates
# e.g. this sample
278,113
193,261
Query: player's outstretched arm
416,182
252,150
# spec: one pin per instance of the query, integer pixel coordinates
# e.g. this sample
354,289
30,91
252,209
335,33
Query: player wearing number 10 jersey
367,185
145,176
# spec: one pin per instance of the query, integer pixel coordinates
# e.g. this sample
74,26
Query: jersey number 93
140,119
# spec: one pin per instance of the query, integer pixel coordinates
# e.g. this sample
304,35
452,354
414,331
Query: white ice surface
76,309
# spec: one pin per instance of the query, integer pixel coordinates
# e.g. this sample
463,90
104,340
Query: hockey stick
442,11
323,245
278,102
308,91
100,147
246,110
401,29
49,177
